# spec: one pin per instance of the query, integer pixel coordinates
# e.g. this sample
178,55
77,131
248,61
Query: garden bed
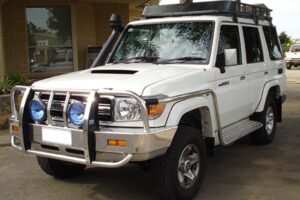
5,111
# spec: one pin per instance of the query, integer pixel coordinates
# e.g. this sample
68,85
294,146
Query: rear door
257,70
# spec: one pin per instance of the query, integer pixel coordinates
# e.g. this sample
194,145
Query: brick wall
90,28
103,14
15,36
1,47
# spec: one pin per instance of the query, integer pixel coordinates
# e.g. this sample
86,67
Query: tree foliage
286,41
284,38
60,21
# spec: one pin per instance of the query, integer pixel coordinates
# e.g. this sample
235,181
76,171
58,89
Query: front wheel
268,118
59,169
180,172
288,66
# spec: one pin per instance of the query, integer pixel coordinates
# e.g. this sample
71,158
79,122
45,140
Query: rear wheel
288,66
179,173
268,118
59,169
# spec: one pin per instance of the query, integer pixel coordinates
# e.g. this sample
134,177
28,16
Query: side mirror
220,62
231,57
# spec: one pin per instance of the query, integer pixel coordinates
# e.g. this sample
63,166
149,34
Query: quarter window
273,43
253,45
49,39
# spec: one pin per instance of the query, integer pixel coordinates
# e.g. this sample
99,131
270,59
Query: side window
229,39
273,43
253,45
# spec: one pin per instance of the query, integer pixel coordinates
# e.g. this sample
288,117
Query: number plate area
56,136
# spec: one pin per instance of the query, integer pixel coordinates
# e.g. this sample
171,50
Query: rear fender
264,96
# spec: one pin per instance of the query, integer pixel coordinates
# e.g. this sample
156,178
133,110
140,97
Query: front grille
105,104
105,111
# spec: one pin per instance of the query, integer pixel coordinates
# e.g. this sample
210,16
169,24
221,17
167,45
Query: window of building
229,39
273,43
253,45
49,35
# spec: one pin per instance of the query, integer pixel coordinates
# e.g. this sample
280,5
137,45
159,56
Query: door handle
266,73
242,78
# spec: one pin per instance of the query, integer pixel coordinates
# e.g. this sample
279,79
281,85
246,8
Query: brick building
42,38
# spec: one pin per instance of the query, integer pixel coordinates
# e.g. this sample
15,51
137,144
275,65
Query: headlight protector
76,113
37,110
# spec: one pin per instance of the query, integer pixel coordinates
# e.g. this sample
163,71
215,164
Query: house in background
43,38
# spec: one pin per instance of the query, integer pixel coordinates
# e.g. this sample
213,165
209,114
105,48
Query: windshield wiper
137,59
181,59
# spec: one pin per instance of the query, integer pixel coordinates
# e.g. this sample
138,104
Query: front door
231,86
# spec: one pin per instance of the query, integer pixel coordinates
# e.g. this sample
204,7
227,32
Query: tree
60,21
286,41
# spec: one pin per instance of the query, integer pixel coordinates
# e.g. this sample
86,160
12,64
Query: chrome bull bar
21,119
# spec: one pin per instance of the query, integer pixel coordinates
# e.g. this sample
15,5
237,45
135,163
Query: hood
130,77
291,55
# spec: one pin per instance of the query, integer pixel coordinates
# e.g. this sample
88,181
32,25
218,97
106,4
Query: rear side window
273,43
253,45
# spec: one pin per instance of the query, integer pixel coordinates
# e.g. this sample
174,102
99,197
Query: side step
239,129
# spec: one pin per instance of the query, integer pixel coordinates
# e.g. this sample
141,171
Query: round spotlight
37,110
76,113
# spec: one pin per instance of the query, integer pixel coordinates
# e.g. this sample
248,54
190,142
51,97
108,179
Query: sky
286,14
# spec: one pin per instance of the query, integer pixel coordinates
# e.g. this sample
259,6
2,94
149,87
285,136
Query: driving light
76,113
127,109
37,110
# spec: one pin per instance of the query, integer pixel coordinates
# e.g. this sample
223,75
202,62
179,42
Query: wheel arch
197,112
271,89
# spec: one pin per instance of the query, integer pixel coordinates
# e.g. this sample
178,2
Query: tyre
268,118
59,169
288,66
180,172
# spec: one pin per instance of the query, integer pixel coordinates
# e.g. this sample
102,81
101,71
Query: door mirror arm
220,62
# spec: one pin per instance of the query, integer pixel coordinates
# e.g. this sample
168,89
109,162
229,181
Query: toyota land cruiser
173,86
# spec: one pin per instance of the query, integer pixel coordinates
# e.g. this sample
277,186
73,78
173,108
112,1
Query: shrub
10,81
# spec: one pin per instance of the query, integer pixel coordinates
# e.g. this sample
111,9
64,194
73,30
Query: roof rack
227,8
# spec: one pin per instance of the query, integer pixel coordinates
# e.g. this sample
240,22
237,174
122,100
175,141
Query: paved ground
241,171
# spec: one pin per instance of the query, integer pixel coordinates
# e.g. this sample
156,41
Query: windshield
188,42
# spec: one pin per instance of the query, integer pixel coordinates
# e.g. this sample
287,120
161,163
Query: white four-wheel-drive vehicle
173,86
292,57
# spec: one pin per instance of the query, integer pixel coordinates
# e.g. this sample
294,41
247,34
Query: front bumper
293,62
140,146
89,145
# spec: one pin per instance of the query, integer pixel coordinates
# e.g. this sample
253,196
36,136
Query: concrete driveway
241,171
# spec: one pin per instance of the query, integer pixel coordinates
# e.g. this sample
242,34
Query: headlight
76,113
127,109
37,110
